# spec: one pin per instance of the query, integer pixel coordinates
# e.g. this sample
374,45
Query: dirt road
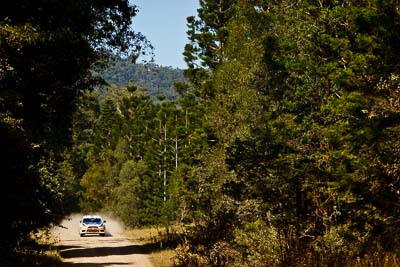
94,251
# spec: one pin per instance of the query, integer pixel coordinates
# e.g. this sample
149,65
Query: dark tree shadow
67,252
66,264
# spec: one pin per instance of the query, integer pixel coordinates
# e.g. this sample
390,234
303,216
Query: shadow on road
66,264
77,252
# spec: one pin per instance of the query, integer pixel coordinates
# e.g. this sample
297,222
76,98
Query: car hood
92,223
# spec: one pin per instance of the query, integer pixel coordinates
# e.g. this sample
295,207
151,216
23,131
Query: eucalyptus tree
190,138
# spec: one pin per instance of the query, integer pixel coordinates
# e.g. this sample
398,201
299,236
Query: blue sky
163,22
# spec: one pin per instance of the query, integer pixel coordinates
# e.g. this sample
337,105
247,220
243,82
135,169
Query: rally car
92,224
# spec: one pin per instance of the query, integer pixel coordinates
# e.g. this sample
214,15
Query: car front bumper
92,230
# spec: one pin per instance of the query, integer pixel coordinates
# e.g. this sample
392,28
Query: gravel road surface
112,250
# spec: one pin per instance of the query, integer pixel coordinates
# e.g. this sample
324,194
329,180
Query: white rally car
92,224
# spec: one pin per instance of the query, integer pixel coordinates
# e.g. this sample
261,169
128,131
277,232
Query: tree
47,53
128,197
207,35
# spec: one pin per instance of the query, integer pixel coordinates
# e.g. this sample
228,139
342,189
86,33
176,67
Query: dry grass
143,236
163,258
160,243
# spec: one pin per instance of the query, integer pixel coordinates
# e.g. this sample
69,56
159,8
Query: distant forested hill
156,79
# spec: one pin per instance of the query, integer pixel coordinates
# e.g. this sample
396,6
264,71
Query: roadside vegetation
39,251
161,242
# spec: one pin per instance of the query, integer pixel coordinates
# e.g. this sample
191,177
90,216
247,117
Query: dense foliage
47,50
303,100
135,157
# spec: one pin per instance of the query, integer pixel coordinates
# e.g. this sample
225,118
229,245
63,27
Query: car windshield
91,220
